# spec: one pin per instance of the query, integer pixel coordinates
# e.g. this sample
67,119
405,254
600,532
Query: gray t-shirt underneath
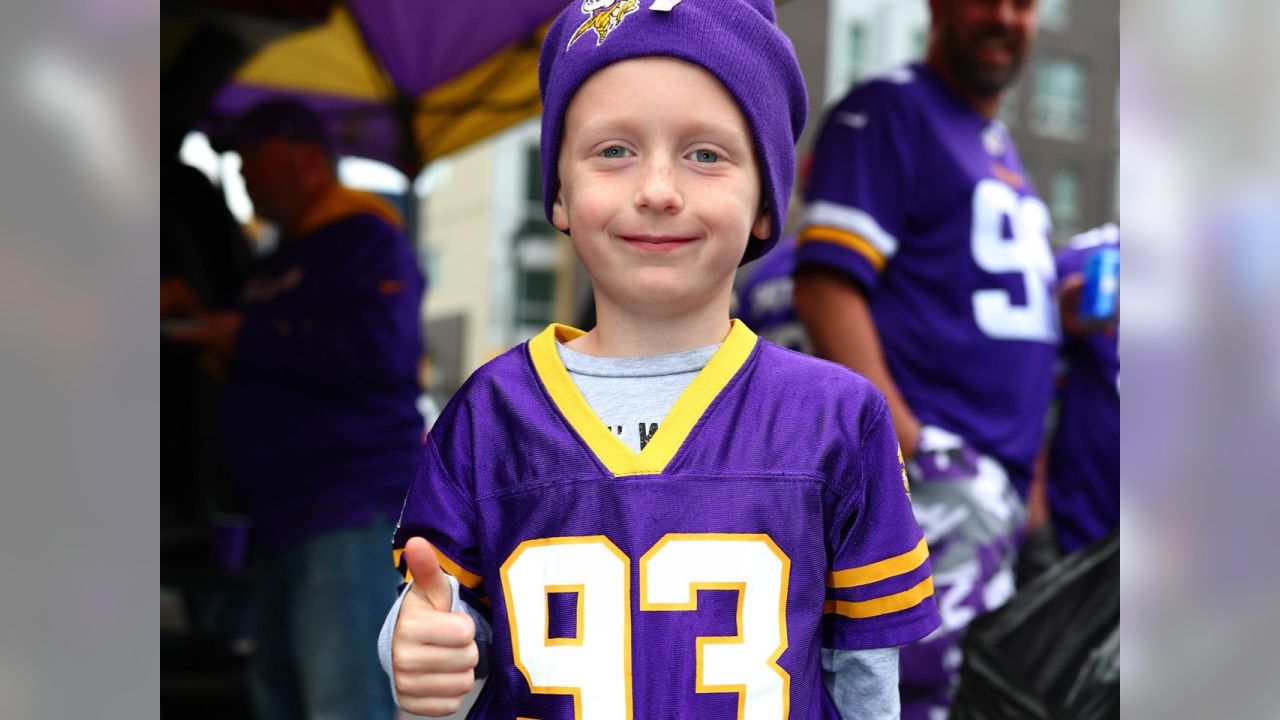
634,395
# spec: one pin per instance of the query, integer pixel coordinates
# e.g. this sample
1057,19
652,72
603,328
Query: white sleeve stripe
855,221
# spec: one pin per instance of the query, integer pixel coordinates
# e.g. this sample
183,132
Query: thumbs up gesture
433,651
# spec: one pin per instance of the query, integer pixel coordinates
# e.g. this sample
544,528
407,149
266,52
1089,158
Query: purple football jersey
765,299
767,517
1084,460
926,206
321,429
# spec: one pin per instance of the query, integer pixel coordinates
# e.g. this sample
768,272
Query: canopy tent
403,82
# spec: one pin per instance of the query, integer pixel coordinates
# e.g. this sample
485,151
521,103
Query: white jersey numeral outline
672,572
595,665
1026,252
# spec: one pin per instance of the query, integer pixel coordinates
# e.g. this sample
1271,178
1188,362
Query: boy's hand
433,651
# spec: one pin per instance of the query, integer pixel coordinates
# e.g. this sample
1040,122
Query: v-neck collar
685,414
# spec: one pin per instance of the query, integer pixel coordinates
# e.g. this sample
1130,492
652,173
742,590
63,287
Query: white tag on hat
663,5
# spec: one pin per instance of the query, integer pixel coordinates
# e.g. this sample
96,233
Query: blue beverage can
1100,297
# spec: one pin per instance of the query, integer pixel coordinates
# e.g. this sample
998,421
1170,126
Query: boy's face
658,184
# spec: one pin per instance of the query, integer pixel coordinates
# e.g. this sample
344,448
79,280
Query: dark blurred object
1039,552
201,678
203,251
293,10
287,119
204,260
202,42
1053,651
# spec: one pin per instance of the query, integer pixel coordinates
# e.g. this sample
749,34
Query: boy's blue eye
614,151
706,156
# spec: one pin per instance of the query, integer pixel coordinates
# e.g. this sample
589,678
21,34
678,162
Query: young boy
664,516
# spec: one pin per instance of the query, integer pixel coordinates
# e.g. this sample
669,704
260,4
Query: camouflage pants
972,517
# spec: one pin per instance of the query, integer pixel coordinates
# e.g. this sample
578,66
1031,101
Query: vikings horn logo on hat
605,15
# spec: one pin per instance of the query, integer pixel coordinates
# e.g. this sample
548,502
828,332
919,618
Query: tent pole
410,163
412,221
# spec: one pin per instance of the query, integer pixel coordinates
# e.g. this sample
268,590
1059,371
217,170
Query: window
1115,133
919,42
1114,172
533,175
1065,206
857,56
535,297
1059,108
535,254
1055,14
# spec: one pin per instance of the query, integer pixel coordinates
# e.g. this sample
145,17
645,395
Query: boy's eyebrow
729,134
597,124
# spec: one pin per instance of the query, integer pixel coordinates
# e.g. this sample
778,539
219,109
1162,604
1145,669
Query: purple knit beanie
737,41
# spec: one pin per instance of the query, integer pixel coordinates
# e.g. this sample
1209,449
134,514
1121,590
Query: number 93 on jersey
593,663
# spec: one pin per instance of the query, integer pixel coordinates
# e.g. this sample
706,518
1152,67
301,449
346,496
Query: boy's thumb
429,582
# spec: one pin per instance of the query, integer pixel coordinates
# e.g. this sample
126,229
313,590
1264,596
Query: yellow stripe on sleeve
846,239
883,605
466,577
877,571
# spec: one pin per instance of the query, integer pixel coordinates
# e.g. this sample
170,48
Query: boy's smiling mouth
657,243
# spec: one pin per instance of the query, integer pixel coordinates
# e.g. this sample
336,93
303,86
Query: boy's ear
559,215
762,227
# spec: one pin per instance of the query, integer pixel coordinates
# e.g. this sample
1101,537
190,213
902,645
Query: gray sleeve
484,632
863,683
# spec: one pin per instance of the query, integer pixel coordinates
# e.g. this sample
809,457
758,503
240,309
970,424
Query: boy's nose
659,191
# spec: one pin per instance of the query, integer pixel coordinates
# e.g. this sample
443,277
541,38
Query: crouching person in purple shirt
321,427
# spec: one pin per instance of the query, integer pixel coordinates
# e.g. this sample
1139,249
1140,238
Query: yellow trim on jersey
877,571
464,576
884,605
684,415
846,239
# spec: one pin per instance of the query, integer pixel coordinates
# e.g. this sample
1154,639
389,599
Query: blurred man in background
321,426
924,264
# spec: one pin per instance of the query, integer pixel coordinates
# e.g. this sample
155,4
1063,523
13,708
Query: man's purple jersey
764,299
321,427
926,206
1084,460
767,518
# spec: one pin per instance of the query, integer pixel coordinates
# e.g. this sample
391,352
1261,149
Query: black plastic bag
1053,651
